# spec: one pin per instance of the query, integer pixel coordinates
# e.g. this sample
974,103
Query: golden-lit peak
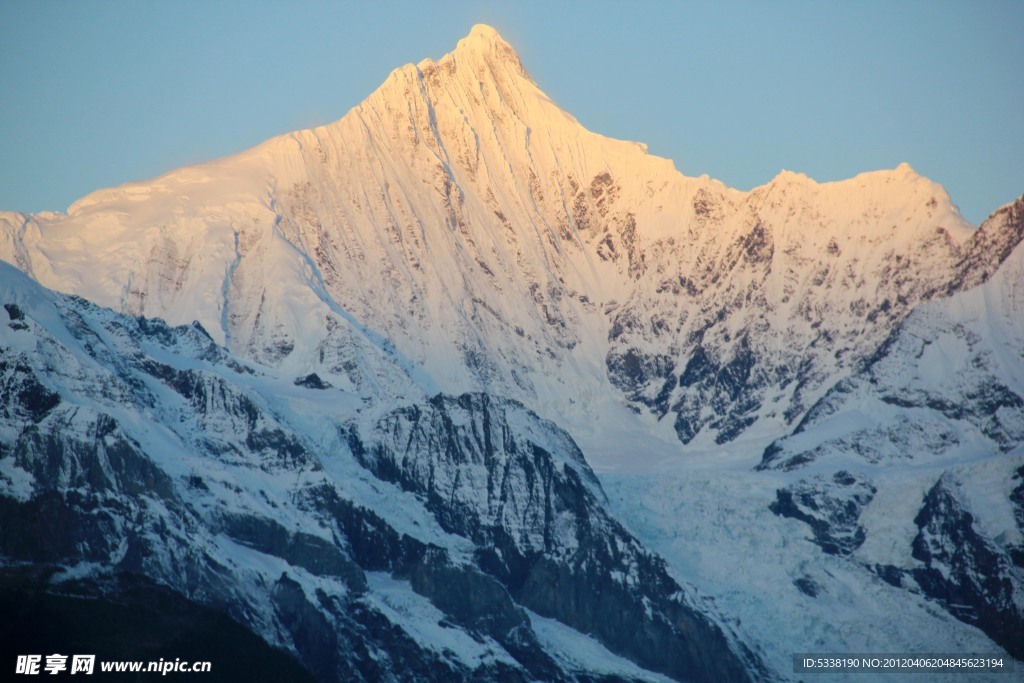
484,41
482,37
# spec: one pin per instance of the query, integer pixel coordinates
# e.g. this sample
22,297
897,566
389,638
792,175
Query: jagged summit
485,39
483,47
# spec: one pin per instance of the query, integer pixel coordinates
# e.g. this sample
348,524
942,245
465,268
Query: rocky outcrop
831,507
970,575
520,490
1017,500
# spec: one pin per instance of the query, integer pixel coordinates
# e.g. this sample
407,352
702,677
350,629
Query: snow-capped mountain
357,430
458,232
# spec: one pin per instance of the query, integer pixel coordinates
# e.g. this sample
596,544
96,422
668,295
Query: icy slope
373,542
892,518
457,231
932,434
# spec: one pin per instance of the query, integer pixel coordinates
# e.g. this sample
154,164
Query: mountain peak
482,32
482,38
484,45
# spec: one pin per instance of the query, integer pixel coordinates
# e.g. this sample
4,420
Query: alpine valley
455,389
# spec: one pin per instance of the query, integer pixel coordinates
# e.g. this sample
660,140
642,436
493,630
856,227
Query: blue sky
103,92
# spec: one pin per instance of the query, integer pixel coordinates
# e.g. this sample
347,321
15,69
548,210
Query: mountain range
454,388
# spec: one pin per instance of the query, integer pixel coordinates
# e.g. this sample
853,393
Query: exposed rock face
756,325
970,575
522,492
949,375
312,381
830,507
977,579
964,566
1017,499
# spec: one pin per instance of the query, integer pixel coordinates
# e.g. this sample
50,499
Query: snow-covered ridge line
460,223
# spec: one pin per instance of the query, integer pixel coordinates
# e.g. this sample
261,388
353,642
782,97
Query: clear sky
103,92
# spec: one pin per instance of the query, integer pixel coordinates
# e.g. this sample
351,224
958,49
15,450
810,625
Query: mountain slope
939,411
891,519
951,375
458,232
374,543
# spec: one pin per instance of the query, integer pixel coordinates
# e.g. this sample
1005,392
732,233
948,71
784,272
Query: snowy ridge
457,231
950,377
